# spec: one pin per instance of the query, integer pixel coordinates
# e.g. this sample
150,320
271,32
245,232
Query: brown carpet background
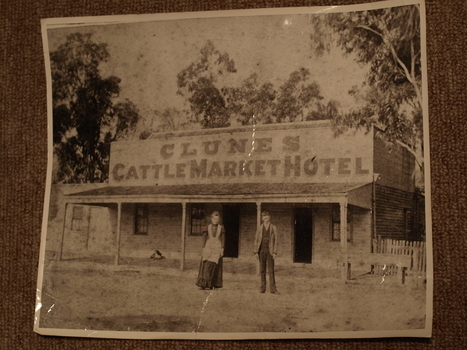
23,165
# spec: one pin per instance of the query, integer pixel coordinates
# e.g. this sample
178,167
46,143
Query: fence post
403,274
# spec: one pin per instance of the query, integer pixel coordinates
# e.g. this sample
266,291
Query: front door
231,222
303,235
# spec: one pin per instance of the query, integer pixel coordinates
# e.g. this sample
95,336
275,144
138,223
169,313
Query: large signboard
292,153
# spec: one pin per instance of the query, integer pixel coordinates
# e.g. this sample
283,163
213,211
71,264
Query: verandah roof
357,193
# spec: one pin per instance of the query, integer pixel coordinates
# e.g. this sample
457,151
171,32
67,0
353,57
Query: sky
148,55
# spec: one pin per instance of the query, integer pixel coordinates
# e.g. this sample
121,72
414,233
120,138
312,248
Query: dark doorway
303,235
231,221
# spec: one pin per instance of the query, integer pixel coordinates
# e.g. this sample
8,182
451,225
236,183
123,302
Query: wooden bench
401,262
396,264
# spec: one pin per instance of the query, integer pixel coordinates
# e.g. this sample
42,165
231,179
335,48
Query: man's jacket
272,240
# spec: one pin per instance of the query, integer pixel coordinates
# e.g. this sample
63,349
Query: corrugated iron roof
223,189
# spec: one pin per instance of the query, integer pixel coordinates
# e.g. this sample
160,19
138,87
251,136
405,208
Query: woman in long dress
210,270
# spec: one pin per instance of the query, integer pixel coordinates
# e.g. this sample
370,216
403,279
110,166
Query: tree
388,40
252,103
215,103
85,118
298,100
200,82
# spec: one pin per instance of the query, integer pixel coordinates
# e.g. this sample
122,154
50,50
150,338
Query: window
336,223
198,219
77,218
141,219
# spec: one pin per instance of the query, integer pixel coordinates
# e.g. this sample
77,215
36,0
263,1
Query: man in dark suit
266,251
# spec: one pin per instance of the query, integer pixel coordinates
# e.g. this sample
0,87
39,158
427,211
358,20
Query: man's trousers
267,261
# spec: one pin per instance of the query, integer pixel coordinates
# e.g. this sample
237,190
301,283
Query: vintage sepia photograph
244,174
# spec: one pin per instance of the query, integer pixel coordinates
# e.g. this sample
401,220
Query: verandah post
60,253
119,218
258,225
343,235
182,259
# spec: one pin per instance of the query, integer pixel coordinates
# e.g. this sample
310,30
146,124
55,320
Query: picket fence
415,250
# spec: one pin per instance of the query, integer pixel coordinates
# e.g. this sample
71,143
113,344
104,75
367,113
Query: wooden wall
395,165
396,213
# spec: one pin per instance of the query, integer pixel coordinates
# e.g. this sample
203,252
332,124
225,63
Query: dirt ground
159,297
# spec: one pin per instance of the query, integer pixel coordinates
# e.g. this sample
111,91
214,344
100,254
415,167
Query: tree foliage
251,102
298,99
170,119
215,103
388,40
201,84
85,117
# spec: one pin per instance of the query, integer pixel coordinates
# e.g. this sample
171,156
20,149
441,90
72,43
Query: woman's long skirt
210,275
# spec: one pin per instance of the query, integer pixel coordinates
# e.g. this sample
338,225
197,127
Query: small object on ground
157,255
